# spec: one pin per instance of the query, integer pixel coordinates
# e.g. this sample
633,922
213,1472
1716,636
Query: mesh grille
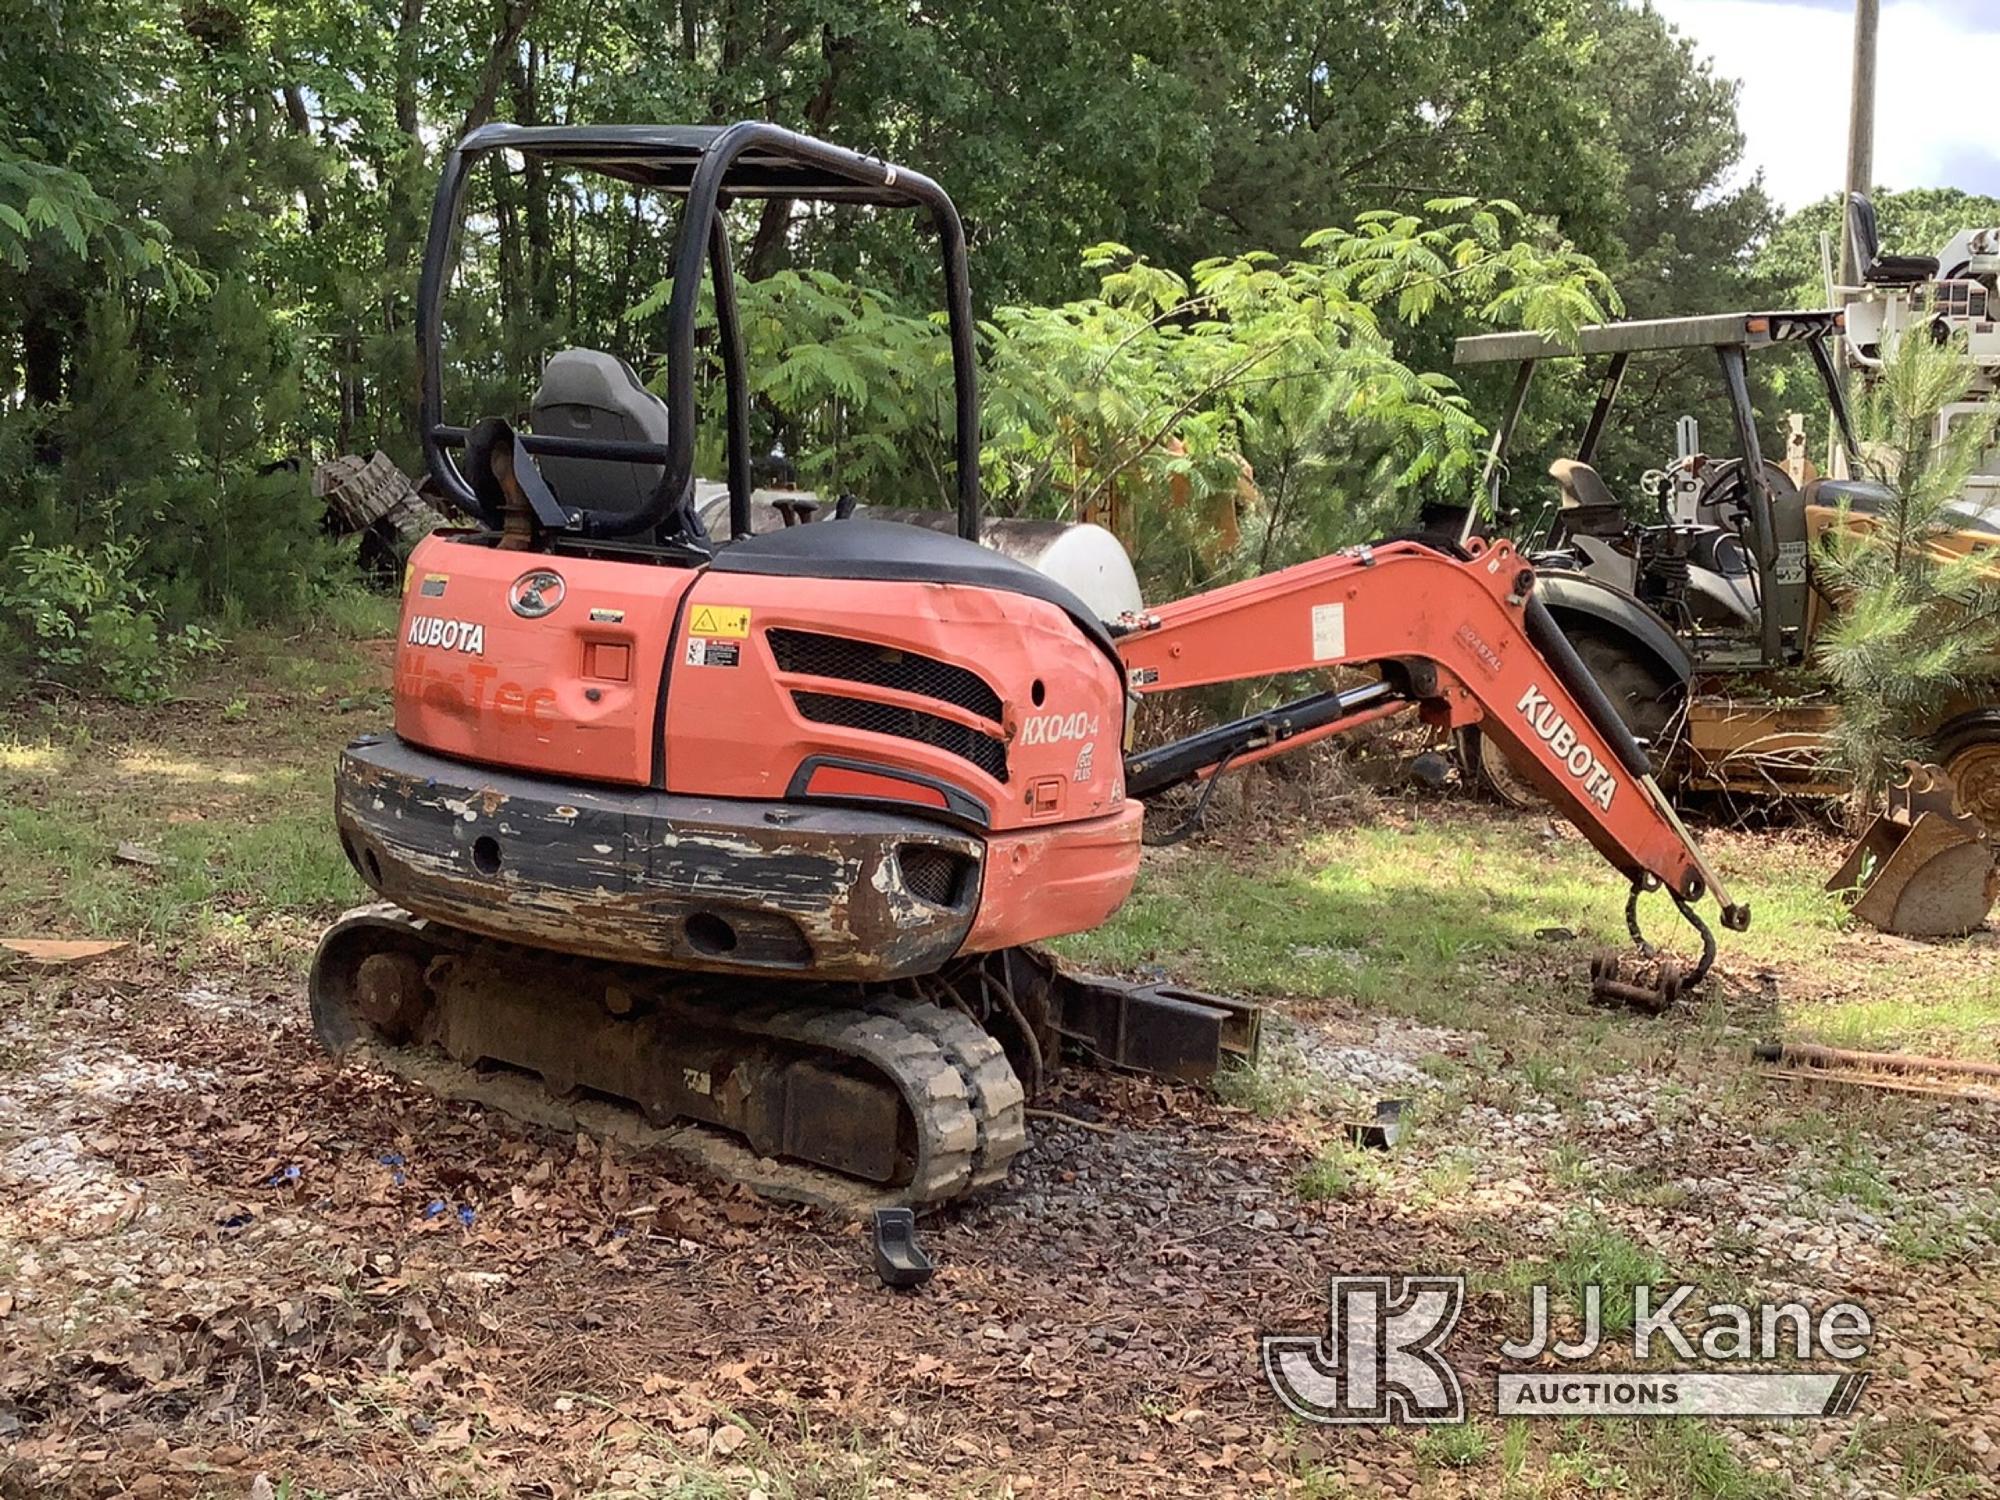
932,873
818,655
983,750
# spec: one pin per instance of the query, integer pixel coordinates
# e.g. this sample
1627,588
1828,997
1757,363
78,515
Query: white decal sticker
1085,759
702,652
1791,564
1599,785
447,635
1053,729
1329,631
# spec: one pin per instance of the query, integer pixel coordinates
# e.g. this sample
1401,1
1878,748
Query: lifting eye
1037,693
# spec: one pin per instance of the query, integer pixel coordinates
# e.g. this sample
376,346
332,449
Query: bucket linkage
1657,981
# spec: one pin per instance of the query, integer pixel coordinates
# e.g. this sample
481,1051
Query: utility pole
1860,127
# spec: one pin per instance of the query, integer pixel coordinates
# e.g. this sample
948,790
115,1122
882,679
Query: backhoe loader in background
739,842
1696,601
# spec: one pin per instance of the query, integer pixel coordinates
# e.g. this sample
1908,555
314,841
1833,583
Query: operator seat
1878,269
1588,506
586,393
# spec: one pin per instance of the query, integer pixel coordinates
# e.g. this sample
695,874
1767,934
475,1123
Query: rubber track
967,1104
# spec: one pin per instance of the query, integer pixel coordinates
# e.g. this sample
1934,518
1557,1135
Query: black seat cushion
1865,497
1899,270
889,551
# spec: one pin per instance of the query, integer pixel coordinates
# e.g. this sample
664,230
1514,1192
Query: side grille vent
983,750
933,874
816,655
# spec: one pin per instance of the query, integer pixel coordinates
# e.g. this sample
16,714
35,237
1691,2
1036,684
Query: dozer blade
1925,867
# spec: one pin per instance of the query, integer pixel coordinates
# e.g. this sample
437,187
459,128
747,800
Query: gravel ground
223,1257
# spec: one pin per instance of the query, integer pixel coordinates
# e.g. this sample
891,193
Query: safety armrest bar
619,450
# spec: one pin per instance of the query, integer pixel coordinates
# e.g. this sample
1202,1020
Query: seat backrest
1583,488
587,393
1861,229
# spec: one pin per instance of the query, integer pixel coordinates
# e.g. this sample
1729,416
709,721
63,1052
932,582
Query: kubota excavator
741,839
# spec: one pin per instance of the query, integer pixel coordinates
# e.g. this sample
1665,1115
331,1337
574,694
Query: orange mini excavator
736,837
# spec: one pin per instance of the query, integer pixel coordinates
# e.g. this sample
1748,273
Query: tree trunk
44,341
399,237
44,347
514,18
776,220
408,30
504,203
526,78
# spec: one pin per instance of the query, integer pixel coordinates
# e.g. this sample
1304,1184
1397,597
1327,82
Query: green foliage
860,388
1592,1253
211,216
1340,1171
90,625
178,469
1460,1445
1163,393
1914,616
39,201
1273,1085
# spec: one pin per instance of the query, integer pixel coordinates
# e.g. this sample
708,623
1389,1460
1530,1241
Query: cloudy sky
1937,100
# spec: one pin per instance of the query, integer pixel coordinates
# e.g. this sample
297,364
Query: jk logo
1378,1360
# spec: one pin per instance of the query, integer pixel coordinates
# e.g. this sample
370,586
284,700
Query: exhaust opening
939,876
710,934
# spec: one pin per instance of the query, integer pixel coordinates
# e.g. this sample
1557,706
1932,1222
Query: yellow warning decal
730,621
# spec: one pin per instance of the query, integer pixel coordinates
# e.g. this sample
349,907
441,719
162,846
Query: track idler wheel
390,993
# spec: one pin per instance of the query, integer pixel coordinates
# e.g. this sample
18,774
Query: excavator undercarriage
744,846
833,1094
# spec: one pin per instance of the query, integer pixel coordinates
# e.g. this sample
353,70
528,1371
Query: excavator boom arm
1464,640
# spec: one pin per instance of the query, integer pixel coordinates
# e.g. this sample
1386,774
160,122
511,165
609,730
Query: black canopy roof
664,157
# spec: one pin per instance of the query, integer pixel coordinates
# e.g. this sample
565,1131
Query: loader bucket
1925,867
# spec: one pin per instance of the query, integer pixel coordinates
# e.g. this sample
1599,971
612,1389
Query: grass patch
1571,1167
228,786
1460,1445
1687,1460
1931,1462
1341,1171
1431,919
1856,1176
1273,1086
1579,1463
1404,920
1592,1253
1448,1176
1932,1237
359,615
58,857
